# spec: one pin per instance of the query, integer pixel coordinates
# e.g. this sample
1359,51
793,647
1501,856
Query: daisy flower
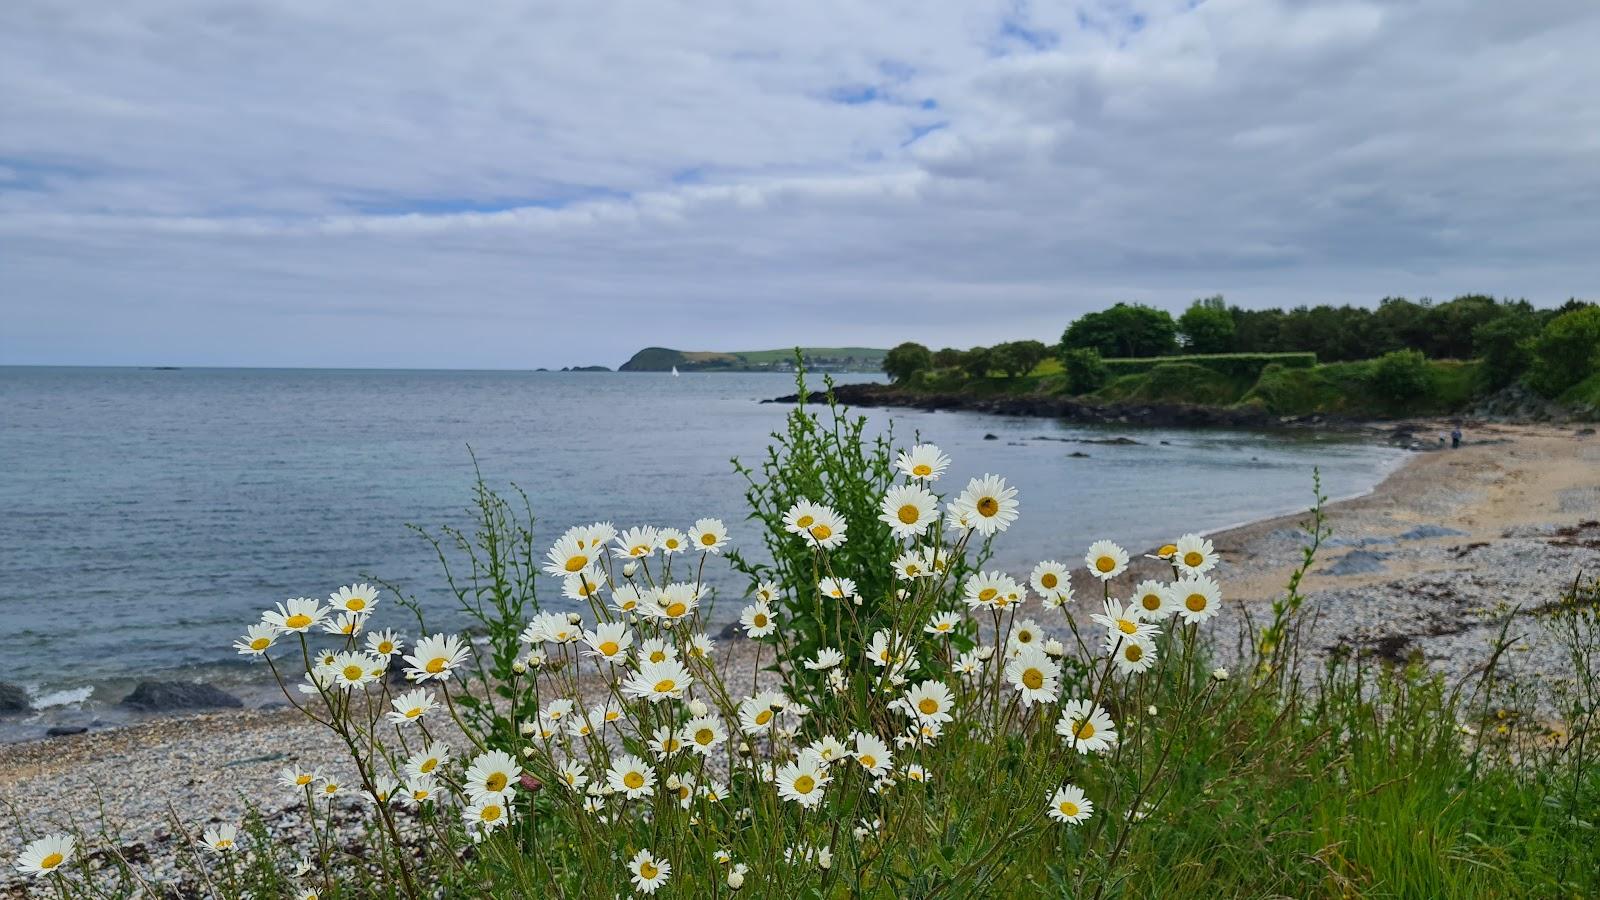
436,656
1035,676
757,713
757,620
1024,633
1198,597
837,588
491,774
1153,601
571,555
352,670
1069,806
385,643
486,813
355,598
931,701
659,681
656,650
426,762
1106,560
582,586
1086,726
664,742
417,791
632,777
873,754
411,706
1051,582
638,543
826,658
1194,555
256,640
992,589
703,734
45,855
649,873
671,541
221,839
556,711
572,775
345,623
297,615
829,749
767,592
908,510
915,772
701,646
909,566
943,623
383,788
923,462
988,504
709,535
883,649
676,601
625,598
1135,656
552,627
296,779
815,522
1123,623
609,641
802,781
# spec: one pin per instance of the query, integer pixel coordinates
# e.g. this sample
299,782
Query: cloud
407,184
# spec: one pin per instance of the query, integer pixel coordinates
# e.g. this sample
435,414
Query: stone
64,730
162,696
13,699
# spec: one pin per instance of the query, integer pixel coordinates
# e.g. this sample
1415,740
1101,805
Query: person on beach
1455,438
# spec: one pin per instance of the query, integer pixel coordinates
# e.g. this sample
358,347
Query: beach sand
1520,505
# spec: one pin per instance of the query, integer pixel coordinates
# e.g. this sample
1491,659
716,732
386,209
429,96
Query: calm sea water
146,516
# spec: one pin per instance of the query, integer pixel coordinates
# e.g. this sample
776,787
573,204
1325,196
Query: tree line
1552,348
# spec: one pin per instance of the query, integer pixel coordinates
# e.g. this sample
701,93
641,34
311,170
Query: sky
513,185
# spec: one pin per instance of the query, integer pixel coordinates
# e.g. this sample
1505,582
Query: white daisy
908,510
355,598
756,714
425,763
923,462
1106,560
221,839
638,543
659,681
988,504
655,650
1197,597
802,781
1035,676
626,598
411,706
385,643
671,541
582,586
757,620
1194,555
570,555
1153,600
352,670
1069,806
649,873
417,791
837,588
345,623
492,773
930,701
826,658
767,592
486,813
632,777
609,641
873,754
1135,656
1051,581
572,775
703,734
1086,726
943,623
436,656
816,523
674,602
990,589
296,779
909,565
664,741
297,615
47,854
708,535
1025,632
256,640
1123,623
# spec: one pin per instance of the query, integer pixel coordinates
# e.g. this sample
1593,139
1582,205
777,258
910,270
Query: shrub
1018,358
1566,352
1084,370
1401,379
906,360
1231,365
1505,347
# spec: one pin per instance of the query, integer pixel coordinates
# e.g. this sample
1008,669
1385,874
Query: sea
148,515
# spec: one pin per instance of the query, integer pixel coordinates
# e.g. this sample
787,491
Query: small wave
66,697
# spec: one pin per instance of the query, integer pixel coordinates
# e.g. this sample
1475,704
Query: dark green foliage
1127,329
1085,370
906,360
977,362
1018,358
1401,379
1177,382
1504,345
1232,365
947,358
1566,352
1207,327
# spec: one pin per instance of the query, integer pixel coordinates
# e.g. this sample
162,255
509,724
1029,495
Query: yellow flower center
1196,602
353,673
1133,653
495,782
658,655
490,813
703,736
639,550
868,761
385,648
1024,637
804,784
260,643
1167,550
355,604
51,861
330,788
1151,601
1068,808
909,514
428,766
1105,564
413,712
1049,580
988,594
922,470
708,539
1193,558
223,843
764,717
298,620
988,507
633,780
676,609
822,532
672,543
648,870
435,665
804,521
665,685
942,626
577,563
1033,679
928,705
1083,730
302,780
760,620
609,648
1127,627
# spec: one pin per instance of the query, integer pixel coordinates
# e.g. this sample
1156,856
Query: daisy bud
736,877
1152,709
628,569
527,753
526,729
1219,674
1054,647
985,653
574,619
529,783
519,667
696,708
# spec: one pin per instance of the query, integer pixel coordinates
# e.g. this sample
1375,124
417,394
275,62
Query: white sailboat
674,371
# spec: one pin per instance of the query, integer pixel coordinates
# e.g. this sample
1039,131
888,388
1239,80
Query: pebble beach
1424,569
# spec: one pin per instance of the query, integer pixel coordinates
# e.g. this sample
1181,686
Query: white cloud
391,184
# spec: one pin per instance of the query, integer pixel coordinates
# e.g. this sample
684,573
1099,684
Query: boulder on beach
162,696
64,730
1357,562
13,699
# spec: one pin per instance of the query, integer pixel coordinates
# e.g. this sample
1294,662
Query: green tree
1084,369
1126,329
977,362
1207,326
947,358
1401,378
1018,358
1505,347
906,360
1566,352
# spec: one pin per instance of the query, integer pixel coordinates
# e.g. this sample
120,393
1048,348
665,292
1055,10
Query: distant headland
816,359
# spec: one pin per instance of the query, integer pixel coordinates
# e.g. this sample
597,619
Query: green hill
817,359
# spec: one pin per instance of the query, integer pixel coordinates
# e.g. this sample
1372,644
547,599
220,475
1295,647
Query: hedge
1233,365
